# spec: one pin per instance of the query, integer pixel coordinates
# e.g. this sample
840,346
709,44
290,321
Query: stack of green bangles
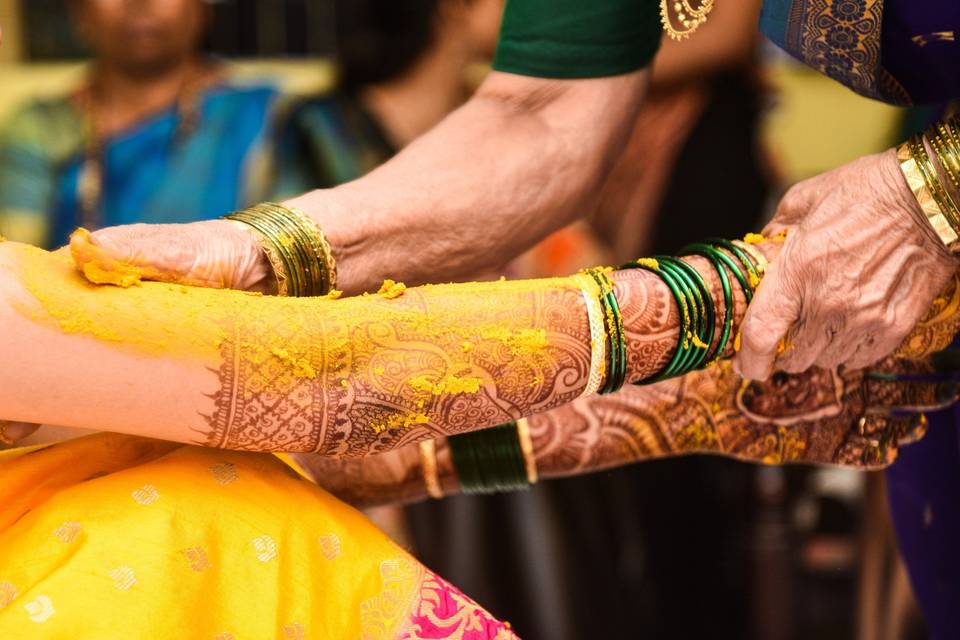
613,324
490,460
695,301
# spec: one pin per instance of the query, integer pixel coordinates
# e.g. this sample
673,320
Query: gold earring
688,18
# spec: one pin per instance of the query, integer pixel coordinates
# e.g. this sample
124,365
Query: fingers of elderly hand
908,387
871,345
807,341
874,445
214,253
774,309
793,207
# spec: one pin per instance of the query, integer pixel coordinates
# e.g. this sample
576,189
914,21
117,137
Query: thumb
213,253
774,309
791,210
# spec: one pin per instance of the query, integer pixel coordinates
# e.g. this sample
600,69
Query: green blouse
577,38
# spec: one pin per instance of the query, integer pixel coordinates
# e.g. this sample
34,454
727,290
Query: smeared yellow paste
432,337
98,267
391,289
450,384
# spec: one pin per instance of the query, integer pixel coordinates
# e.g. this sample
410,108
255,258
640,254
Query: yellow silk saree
115,536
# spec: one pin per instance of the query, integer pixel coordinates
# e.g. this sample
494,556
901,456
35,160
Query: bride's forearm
341,377
814,417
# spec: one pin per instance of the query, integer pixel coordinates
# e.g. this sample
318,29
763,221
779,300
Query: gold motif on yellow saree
40,609
265,548
330,545
146,495
67,531
7,594
123,577
224,473
383,615
196,558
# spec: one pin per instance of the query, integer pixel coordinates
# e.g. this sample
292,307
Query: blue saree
150,175
899,51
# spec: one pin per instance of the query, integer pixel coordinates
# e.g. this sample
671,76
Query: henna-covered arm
812,418
339,377
819,417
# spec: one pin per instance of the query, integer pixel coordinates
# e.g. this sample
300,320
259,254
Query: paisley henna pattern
820,417
367,375
371,374
814,417
936,331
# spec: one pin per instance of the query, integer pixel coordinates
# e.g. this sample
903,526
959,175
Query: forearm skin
524,157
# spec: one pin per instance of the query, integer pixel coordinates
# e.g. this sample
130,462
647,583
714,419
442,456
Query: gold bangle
298,251
598,335
944,146
526,445
321,247
428,463
276,263
941,196
928,204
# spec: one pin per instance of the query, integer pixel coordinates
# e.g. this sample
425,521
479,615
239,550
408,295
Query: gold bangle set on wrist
937,200
295,246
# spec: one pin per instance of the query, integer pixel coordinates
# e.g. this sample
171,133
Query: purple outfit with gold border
903,52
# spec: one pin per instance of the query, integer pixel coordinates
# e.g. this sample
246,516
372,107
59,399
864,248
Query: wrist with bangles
299,254
930,163
502,458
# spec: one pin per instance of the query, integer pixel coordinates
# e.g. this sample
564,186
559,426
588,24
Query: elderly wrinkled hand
214,253
860,266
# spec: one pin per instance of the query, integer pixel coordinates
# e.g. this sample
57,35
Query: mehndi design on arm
377,373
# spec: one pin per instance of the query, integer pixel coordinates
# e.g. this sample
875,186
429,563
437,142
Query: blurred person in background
157,131
403,67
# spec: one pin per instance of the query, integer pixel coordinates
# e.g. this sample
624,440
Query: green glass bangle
676,364
490,460
309,238
737,272
742,256
690,349
705,296
670,369
708,252
613,321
